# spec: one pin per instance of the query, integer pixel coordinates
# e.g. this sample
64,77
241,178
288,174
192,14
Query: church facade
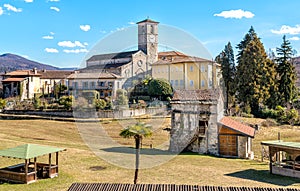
128,66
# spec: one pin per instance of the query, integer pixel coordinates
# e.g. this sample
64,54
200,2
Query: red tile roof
171,53
54,74
22,73
196,95
13,80
237,126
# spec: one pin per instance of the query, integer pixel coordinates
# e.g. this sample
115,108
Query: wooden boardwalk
164,187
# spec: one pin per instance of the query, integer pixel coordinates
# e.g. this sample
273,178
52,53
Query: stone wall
92,113
185,123
242,142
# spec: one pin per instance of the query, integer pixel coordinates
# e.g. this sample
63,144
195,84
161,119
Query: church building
127,66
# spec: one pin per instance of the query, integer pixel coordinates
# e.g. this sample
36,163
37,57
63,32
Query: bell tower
148,39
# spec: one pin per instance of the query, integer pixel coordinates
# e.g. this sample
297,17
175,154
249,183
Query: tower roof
147,21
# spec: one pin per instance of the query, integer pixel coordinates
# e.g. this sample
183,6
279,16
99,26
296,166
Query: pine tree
242,45
255,72
273,100
286,72
226,59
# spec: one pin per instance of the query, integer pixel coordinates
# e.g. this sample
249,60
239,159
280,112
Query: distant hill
297,67
11,62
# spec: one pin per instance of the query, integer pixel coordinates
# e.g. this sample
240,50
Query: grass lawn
80,164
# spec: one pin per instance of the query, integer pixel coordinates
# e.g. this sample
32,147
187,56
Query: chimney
34,70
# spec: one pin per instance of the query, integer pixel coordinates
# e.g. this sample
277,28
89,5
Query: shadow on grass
264,176
143,151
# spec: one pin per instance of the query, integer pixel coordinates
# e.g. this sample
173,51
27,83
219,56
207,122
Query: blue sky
61,32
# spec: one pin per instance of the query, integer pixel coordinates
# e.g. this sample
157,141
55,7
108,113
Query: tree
160,88
36,102
66,101
255,72
273,100
59,89
242,45
137,131
121,99
226,59
286,72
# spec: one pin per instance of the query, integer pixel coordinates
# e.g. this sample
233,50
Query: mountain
11,62
297,67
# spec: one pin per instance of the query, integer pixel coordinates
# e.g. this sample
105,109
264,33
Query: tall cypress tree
242,45
286,72
226,59
255,73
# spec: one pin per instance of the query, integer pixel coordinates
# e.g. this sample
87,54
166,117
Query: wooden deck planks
164,187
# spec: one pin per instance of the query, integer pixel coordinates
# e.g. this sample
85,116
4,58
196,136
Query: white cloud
52,33
85,27
48,37
287,30
295,38
121,29
86,44
103,31
76,51
12,8
235,14
70,44
131,23
1,11
54,0
51,50
55,9
28,1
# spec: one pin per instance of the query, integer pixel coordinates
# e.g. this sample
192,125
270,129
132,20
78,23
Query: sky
62,32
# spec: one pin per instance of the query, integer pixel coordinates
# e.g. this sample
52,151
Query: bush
145,98
109,104
100,104
269,113
291,116
66,101
2,103
37,102
282,115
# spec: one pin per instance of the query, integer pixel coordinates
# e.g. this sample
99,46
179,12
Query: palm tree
137,131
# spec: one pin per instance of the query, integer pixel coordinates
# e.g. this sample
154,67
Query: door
228,145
